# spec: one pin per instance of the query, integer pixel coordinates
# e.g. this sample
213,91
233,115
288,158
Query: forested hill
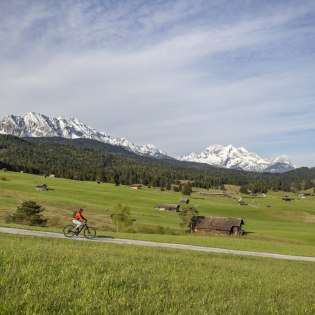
85,159
82,144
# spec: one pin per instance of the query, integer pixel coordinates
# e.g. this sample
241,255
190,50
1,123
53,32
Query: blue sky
181,75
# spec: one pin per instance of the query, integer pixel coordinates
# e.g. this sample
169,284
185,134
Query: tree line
94,161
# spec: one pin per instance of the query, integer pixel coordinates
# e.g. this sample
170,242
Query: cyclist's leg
78,224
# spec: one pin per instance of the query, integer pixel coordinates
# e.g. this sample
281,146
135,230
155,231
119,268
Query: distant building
135,186
304,194
286,198
167,207
186,201
41,187
242,203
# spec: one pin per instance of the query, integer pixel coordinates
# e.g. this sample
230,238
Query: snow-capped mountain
238,158
38,125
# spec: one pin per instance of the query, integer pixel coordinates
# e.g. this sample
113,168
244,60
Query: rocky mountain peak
238,158
38,125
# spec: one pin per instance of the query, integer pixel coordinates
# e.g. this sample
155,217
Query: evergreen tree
29,213
186,216
187,190
168,186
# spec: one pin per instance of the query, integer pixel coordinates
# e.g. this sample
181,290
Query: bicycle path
158,244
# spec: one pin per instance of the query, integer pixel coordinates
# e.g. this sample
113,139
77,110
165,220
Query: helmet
80,209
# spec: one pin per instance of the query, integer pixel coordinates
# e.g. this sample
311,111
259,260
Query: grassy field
272,225
55,276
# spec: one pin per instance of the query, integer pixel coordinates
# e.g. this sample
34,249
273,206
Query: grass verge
53,276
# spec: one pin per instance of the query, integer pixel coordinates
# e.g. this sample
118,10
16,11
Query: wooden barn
286,198
135,186
41,187
167,207
224,225
186,201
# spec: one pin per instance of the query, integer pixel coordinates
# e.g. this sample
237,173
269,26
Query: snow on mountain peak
238,158
38,125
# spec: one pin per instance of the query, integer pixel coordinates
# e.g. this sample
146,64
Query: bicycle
88,231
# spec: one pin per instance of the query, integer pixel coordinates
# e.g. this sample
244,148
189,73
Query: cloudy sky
181,75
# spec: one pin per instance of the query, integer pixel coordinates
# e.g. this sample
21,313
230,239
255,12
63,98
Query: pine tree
186,216
29,213
187,190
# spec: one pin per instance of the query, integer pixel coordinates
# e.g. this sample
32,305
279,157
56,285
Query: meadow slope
272,225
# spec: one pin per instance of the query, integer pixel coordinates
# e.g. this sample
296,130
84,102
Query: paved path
156,244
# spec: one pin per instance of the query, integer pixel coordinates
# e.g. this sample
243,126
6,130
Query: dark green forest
84,159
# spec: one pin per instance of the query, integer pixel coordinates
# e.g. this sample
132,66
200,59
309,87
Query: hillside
269,221
86,159
110,271
35,125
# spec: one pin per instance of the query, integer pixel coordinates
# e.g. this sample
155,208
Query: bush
121,217
28,213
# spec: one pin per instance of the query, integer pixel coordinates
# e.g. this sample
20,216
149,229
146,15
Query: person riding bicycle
79,219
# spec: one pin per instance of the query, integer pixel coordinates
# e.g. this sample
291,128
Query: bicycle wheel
68,230
89,232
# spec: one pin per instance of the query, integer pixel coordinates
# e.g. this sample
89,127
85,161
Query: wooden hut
135,186
186,201
41,187
286,198
225,225
167,207
242,203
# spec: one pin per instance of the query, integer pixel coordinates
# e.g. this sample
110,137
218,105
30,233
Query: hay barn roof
216,223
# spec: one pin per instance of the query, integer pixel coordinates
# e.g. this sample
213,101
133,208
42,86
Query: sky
181,75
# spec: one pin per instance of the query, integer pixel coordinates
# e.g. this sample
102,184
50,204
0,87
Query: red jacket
79,216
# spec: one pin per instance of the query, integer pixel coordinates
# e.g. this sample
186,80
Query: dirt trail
157,244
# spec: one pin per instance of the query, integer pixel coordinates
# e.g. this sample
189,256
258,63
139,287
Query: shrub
28,213
121,217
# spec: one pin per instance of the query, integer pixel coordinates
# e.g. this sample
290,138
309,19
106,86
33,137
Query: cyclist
79,219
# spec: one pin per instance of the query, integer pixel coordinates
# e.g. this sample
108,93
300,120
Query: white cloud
168,68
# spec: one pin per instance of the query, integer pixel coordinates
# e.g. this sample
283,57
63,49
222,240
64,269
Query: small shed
224,225
167,207
135,186
242,203
304,194
186,201
286,198
41,187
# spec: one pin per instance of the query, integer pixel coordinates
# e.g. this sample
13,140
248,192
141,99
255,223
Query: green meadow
271,224
61,276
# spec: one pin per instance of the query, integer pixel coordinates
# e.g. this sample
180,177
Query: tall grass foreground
53,276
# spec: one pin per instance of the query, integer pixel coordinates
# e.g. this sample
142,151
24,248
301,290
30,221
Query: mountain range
38,125
239,158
